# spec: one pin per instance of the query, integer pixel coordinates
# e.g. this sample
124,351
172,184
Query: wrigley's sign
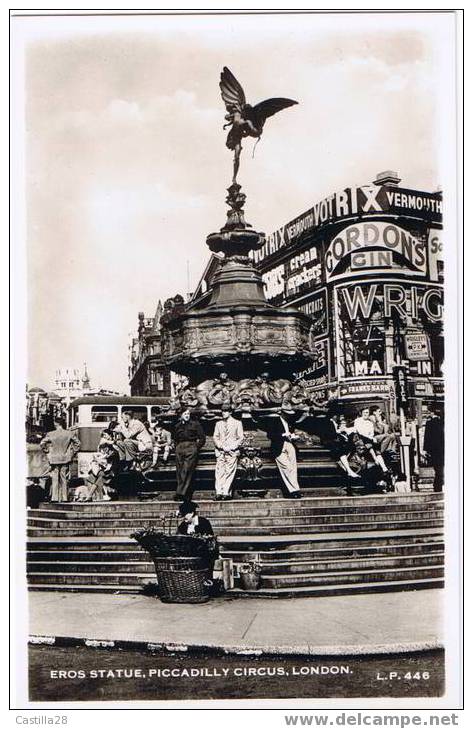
351,202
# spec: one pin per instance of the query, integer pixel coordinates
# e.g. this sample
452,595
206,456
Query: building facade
366,264
69,383
148,375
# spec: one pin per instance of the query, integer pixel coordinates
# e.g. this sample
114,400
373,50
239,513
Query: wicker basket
179,563
184,586
184,564
163,546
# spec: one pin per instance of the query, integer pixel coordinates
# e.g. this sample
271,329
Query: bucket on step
250,575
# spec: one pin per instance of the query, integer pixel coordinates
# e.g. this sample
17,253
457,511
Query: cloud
127,165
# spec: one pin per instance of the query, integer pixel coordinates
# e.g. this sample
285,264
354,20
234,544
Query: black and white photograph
236,399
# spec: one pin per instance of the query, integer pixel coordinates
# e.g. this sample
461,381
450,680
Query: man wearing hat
228,437
189,438
191,522
282,437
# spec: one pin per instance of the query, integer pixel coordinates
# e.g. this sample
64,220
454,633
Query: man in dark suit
189,437
434,445
192,523
282,437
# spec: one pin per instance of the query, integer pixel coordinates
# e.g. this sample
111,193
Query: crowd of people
366,449
42,410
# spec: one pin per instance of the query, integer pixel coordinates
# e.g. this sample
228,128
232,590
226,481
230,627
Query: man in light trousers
228,437
282,437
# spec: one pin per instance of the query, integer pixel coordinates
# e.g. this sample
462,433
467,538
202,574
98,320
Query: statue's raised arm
245,120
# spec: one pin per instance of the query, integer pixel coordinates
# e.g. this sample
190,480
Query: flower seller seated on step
191,522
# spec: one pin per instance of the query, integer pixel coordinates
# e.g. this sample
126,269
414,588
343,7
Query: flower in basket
159,544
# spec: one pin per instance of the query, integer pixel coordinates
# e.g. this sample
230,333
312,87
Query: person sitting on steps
161,443
364,428
191,522
340,444
136,440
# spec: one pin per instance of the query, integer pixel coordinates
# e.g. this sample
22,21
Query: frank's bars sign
354,201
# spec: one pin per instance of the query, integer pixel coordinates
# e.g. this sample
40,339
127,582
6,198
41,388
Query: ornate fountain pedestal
238,332
241,350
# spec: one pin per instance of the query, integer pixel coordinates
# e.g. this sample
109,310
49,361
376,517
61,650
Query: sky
126,167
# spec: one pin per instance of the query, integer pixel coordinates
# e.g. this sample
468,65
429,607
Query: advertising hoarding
367,200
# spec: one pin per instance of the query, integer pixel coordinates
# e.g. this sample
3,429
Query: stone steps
119,579
356,565
316,546
292,542
344,589
144,577
371,575
268,517
244,530
264,519
362,550
208,505
287,592
114,553
275,568
67,567
315,468
234,510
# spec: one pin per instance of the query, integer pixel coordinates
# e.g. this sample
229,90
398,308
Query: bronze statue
245,120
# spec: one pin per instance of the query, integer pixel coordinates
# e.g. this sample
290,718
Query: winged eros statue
245,120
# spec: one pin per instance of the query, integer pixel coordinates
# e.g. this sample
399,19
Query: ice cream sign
375,245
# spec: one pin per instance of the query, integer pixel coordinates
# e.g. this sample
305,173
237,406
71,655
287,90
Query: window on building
157,379
155,411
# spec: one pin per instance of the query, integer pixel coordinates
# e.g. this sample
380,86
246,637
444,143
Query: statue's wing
232,92
270,107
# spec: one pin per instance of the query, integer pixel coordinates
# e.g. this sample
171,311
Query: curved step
369,575
319,545
277,568
323,591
